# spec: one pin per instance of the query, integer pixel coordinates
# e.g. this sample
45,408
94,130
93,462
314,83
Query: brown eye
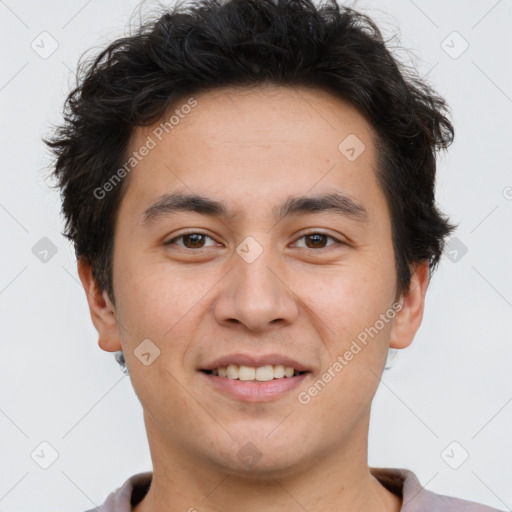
196,241
318,241
190,240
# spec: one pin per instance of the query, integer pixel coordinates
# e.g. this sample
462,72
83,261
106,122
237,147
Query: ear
408,319
101,308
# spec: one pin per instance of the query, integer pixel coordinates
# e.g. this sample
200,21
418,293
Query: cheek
350,297
154,298
155,305
349,303
158,304
343,391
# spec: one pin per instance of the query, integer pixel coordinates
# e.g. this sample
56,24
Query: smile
259,374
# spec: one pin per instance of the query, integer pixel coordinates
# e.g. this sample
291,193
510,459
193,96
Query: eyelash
338,242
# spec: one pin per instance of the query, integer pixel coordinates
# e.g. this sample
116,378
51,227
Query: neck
339,480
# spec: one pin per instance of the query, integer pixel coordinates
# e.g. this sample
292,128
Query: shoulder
418,499
130,493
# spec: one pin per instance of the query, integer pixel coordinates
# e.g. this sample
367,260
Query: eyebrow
337,202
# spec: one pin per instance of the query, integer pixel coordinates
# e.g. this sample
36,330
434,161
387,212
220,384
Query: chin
260,452
266,465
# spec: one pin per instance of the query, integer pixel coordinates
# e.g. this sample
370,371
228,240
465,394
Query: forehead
249,144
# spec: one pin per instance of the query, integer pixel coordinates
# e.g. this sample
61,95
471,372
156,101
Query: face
286,262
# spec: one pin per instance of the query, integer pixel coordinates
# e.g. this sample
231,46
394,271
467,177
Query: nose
256,295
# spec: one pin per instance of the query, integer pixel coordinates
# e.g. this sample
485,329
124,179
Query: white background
453,384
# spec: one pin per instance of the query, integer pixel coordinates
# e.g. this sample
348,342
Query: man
249,185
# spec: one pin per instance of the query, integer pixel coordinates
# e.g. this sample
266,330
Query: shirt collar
402,482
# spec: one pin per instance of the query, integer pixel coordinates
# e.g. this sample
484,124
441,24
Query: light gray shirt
402,482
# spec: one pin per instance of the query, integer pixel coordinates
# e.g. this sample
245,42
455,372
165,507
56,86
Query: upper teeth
262,373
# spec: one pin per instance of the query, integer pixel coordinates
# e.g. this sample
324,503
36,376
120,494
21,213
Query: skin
252,148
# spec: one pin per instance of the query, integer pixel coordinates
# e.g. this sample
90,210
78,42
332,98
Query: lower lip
253,391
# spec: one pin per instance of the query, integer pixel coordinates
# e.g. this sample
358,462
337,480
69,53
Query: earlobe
101,309
408,320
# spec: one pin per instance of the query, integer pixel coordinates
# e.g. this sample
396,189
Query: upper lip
256,361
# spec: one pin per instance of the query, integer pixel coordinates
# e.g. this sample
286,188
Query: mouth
254,379
255,374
